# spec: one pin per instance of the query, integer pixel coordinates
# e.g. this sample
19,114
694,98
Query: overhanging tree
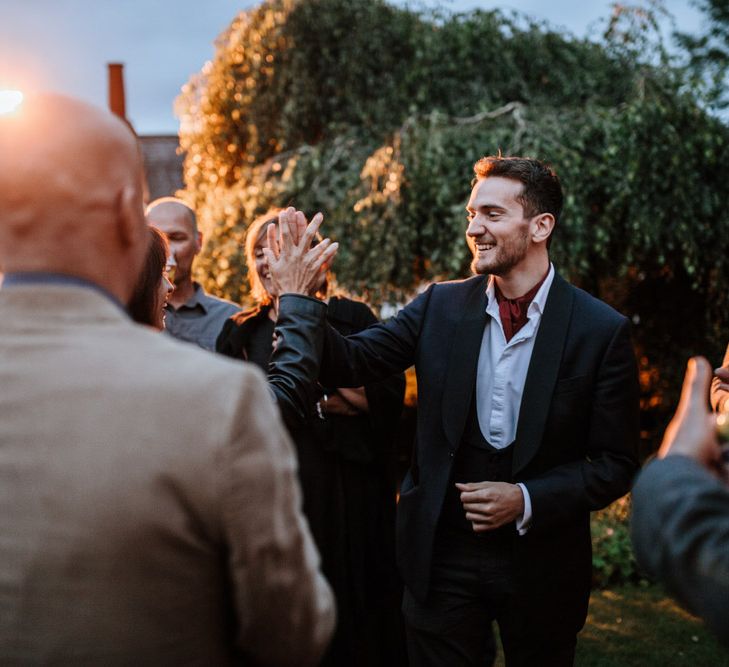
375,115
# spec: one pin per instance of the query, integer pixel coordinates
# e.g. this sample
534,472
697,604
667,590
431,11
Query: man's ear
198,242
542,226
131,226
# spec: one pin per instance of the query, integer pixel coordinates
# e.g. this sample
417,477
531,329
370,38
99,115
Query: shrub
613,561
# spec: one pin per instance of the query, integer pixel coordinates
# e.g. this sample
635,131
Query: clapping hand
295,266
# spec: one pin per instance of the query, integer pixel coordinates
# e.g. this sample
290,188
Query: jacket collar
10,280
542,373
462,363
46,305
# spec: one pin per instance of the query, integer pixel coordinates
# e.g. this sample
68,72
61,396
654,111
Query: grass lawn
643,627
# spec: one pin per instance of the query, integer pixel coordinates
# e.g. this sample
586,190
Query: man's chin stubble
484,270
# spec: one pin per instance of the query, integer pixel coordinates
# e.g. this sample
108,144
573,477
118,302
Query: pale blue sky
64,45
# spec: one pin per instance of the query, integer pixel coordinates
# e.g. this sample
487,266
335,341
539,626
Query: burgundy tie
513,312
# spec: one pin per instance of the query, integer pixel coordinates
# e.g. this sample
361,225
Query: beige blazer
149,506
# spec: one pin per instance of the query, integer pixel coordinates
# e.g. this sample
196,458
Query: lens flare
10,101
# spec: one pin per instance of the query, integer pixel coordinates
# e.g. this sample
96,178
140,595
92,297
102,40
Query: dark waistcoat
475,461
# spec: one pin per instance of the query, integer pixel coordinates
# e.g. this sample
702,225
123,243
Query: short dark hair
143,304
542,191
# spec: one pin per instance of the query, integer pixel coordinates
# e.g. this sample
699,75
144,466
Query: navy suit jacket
577,435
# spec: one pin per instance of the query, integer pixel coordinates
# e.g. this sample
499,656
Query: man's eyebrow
486,205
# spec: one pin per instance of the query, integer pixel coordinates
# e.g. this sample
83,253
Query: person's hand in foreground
692,430
680,521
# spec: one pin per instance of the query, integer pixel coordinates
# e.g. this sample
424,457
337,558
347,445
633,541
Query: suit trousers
472,585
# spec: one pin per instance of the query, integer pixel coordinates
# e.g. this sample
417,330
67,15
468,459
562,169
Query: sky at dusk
64,45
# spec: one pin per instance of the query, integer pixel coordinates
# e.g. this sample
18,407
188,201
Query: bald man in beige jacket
149,508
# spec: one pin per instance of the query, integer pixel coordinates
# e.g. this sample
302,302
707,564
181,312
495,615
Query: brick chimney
118,106
117,101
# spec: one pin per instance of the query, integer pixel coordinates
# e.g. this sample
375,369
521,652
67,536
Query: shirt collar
49,278
537,304
198,298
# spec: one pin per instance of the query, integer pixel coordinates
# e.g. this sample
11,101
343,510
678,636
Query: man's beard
508,254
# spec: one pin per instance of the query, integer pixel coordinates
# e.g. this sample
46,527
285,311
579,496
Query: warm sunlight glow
10,101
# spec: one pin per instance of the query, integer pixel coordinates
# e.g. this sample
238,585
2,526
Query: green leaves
292,81
613,560
375,115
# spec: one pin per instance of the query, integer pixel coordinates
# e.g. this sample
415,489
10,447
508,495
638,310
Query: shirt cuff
525,520
305,297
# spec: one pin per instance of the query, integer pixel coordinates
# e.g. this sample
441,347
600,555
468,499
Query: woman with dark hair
147,305
347,469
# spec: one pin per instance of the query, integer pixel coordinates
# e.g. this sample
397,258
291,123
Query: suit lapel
463,363
542,374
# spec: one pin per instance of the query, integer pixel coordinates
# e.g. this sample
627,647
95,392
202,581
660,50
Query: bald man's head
71,187
176,220
167,206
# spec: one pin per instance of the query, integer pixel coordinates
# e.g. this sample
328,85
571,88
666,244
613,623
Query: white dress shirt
502,371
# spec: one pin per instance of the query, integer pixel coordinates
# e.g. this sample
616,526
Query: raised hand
295,266
692,429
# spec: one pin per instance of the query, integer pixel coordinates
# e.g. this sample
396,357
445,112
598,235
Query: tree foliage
375,115
708,52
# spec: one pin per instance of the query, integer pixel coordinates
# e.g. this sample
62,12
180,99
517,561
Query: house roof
162,164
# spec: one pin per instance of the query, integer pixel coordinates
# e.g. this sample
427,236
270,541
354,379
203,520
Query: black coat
347,473
576,440
294,364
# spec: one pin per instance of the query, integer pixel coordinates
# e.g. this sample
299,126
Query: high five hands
295,266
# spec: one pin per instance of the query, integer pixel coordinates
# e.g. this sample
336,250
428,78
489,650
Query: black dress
347,470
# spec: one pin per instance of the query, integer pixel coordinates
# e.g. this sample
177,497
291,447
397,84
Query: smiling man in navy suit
527,421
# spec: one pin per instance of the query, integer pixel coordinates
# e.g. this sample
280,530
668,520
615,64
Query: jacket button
451,453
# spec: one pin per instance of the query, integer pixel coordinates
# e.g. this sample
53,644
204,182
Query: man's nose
475,226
